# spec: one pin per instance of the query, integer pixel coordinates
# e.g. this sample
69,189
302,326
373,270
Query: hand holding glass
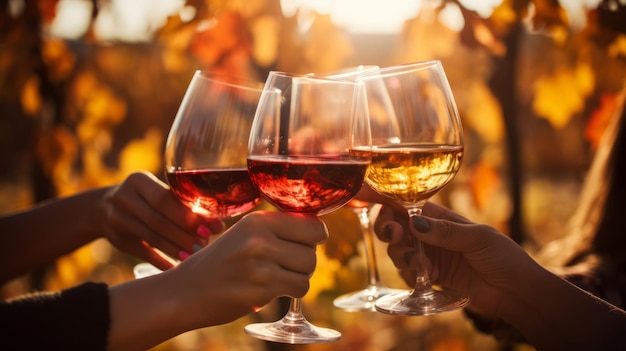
301,157
417,148
205,152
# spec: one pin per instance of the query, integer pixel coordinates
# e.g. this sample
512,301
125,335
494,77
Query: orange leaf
483,183
600,118
221,38
548,14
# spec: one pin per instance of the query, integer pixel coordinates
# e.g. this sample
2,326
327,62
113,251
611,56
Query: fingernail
183,255
387,232
421,224
196,247
203,231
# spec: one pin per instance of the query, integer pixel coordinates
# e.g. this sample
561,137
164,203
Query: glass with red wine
205,152
303,158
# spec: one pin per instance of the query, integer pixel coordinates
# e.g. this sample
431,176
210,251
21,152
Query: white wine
412,173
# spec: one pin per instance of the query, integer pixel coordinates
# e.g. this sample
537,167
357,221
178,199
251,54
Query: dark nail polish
421,224
387,232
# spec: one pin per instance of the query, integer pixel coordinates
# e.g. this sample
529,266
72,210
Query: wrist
146,312
96,218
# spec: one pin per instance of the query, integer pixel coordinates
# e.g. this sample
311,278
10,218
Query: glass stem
370,254
423,287
294,315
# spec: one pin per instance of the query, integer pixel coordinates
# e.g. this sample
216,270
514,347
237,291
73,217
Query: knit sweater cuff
74,319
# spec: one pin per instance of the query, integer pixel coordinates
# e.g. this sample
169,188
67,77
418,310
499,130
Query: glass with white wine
417,149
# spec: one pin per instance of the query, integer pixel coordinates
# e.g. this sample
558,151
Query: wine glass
205,152
364,299
418,152
301,157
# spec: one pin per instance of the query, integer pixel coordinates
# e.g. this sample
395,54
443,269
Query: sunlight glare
381,17
72,19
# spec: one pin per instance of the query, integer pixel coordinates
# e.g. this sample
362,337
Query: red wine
216,193
307,185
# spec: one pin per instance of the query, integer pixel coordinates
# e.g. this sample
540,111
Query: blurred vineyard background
88,90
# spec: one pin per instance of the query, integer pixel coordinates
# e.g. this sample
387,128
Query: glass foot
363,300
409,303
289,332
145,269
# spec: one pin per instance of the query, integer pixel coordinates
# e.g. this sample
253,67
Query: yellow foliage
247,8
142,154
58,152
82,86
559,96
59,60
104,107
426,38
326,47
484,114
31,99
177,38
73,268
96,173
93,135
559,34
324,276
502,17
618,47
265,38
484,183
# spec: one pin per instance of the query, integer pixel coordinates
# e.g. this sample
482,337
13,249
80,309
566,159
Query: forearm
555,315
147,312
30,239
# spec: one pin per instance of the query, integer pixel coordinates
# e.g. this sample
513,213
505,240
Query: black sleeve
74,319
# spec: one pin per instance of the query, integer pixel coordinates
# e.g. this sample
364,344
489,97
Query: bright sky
125,20
134,20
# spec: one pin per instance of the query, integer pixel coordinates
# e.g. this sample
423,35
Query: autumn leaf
618,47
323,278
484,181
326,47
344,235
58,58
47,9
560,95
220,38
484,114
600,118
142,154
175,37
502,17
30,97
265,38
548,14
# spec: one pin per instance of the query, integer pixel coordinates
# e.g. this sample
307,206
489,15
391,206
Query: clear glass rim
307,76
401,69
348,72
232,81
